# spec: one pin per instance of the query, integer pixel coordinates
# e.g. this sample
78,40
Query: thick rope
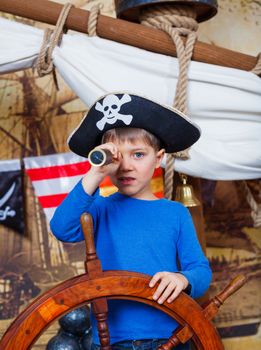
176,21
93,20
44,64
51,39
175,16
255,207
257,69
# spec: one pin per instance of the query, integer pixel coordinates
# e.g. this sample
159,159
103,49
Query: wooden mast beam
126,32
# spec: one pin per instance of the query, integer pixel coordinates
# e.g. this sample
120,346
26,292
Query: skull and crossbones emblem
110,108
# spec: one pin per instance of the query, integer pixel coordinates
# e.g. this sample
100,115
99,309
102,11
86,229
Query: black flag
11,195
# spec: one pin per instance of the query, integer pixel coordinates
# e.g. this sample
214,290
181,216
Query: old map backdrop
36,119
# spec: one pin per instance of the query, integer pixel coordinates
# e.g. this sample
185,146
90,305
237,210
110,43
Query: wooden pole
126,32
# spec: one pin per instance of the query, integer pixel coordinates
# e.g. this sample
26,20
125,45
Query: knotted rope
257,69
177,21
255,207
52,38
44,64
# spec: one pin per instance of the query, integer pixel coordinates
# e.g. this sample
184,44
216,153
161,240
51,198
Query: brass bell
130,9
185,193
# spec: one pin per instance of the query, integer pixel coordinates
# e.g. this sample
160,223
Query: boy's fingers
162,286
175,294
110,147
118,155
167,292
155,278
169,288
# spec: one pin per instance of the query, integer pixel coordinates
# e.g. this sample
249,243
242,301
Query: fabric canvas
224,102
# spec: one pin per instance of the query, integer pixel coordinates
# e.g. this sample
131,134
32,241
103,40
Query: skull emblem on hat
110,108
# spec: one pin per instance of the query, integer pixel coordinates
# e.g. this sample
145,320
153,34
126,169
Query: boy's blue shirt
136,235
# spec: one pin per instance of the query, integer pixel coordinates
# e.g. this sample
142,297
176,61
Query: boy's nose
126,163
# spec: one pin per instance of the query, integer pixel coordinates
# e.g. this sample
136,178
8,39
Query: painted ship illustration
37,262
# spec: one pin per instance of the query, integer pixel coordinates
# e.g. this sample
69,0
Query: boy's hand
170,286
95,175
112,167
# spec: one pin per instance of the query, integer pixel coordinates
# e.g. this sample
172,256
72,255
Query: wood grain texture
112,285
94,269
183,334
126,33
96,286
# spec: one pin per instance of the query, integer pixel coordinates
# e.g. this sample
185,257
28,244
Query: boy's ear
159,156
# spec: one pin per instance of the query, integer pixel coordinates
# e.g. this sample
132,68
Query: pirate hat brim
116,110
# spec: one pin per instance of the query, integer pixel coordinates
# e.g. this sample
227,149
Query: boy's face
136,167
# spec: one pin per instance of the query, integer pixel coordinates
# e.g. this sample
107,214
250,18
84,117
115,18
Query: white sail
224,102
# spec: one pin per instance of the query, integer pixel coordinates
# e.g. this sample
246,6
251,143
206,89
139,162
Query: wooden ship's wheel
96,286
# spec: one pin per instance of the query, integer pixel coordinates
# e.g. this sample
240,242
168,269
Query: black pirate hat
116,110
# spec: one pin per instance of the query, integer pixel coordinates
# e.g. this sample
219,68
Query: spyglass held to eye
100,157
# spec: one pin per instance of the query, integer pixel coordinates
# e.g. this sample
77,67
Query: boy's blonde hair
131,135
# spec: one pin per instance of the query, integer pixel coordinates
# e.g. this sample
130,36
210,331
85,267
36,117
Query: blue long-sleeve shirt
136,235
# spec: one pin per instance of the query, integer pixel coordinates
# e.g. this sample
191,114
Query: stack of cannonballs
75,331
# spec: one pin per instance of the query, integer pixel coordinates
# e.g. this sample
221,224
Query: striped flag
54,176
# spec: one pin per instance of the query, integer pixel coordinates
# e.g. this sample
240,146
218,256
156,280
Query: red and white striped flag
54,176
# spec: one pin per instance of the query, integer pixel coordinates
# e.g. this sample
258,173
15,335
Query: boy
134,230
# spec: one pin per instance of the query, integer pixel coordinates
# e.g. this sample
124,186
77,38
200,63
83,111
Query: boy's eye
138,155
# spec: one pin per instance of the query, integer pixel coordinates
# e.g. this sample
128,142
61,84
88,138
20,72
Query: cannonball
63,341
76,322
87,340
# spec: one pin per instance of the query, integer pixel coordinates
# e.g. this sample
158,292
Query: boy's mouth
126,180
